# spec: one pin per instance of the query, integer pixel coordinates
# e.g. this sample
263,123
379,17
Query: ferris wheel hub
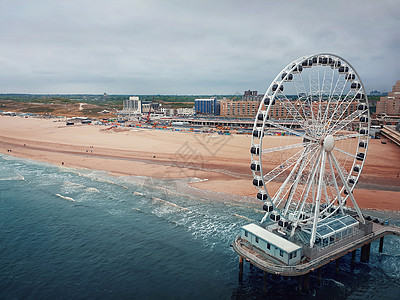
329,143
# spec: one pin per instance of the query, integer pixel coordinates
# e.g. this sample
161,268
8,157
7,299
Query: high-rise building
208,106
390,104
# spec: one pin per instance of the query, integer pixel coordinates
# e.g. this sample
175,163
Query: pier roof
334,225
272,238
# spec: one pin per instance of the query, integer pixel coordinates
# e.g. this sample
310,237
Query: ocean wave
66,198
169,203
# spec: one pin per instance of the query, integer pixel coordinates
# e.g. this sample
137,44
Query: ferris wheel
309,142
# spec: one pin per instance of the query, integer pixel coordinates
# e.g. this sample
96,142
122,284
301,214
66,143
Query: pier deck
391,134
268,264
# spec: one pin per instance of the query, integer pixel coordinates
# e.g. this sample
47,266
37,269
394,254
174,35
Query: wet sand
221,162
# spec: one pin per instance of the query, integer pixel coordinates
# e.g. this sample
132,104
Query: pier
270,265
322,257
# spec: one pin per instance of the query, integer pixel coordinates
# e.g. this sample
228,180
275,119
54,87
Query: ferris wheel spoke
289,107
318,198
298,177
345,152
338,197
282,167
343,123
326,112
309,183
283,148
350,191
310,102
276,198
301,93
347,136
339,102
289,130
312,162
321,95
343,109
321,107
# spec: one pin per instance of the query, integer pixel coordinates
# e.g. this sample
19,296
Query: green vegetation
110,101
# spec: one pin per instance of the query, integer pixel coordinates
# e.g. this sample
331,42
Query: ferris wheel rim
278,81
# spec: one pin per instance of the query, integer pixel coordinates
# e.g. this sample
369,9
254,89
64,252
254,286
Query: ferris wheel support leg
318,199
309,184
264,218
339,198
360,215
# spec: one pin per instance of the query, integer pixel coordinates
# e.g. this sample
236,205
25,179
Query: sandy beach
220,161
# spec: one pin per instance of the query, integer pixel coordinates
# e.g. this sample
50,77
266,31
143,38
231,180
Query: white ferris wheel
309,142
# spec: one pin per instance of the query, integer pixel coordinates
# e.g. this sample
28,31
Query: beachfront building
241,108
291,109
208,106
151,106
135,107
390,104
246,107
132,106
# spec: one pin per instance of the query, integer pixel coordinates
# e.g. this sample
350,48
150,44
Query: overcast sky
188,47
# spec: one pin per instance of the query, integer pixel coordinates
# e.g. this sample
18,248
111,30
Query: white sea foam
137,194
21,177
73,184
169,203
92,190
17,177
243,217
65,197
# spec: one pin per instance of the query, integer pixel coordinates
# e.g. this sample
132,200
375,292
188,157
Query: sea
82,234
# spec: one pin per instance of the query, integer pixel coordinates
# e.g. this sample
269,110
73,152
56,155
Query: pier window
294,253
290,255
246,233
268,246
256,239
281,253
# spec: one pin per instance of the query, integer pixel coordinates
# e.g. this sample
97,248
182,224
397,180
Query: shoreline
220,162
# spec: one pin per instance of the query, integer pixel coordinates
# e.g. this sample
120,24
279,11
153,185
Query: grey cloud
187,47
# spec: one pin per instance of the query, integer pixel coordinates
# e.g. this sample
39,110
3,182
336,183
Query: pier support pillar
337,265
299,284
240,269
353,258
264,281
368,251
306,283
381,244
319,276
365,252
